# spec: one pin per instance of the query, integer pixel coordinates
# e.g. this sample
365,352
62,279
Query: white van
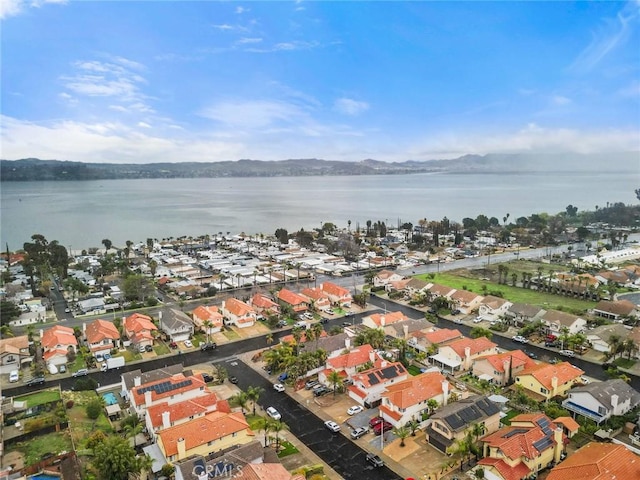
14,376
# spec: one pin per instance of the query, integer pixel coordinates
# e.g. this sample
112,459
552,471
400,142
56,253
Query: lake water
81,214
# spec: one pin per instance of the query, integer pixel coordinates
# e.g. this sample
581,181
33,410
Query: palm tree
334,379
413,426
401,433
277,426
629,346
241,399
317,330
253,394
132,430
269,338
208,325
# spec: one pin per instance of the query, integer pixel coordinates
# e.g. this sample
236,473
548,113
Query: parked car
375,421
308,315
140,349
311,384
233,380
374,460
329,311
567,353
81,373
356,433
148,348
331,425
35,381
455,312
347,324
173,345
278,387
188,344
273,413
283,376
207,378
318,392
14,376
354,410
383,426
477,320
349,314
281,323
519,339
532,355
207,346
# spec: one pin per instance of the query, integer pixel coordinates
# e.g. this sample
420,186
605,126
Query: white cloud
285,46
253,114
10,8
144,125
560,100
348,106
241,10
244,41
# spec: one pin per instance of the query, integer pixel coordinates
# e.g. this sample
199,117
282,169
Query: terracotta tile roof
598,461
507,472
260,301
58,335
138,322
388,318
181,410
290,297
200,431
303,338
419,388
382,373
516,442
475,345
545,372
100,330
237,307
400,284
14,344
47,355
442,335
168,389
315,294
517,357
208,314
357,356
390,413
265,471
567,422
384,274
335,290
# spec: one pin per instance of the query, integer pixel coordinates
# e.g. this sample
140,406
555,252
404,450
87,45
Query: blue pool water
110,398
45,476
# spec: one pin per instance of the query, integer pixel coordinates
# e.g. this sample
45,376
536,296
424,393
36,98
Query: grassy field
40,398
513,294
37,447
81,426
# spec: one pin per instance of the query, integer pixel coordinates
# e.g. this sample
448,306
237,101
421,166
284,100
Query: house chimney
182,448
554,385
166,419
382,320
372,356
160,315
467,352
559,443
137,381
347,343
147,398
405,329
614,404
383,364
445,392
84,329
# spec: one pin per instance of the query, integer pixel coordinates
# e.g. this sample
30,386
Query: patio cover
445,360
485,376
113,409
157,458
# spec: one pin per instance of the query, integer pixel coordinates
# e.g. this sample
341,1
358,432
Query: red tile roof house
101,336
369,385
238,313
545,381
501,368
316,298
598,461
381,320
208,319
266,471
56,343
173,389
14,352
493,308
383,277
264,306
297,302
407,400
531,443
139,329
348,363
338,295
164,415
465,301
460,354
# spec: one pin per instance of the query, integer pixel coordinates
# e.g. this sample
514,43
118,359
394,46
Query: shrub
69,404
85,384
94,408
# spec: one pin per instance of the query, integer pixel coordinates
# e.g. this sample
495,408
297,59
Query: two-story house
338,295
381,320
556,323
451,422
139,329
369,385
598,461
466,301
502,368
208,319
205,435
317,298
383,277
602,338
428,341
545,381
599,401
56,343
101,336
14,353
173,389
264,306
615,310
176,324
520,314
460,354
407,400
348,363
530,444
297,303
238,313
493,308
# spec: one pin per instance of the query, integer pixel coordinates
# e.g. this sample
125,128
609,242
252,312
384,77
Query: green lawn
231,335
413,370
286,448
510,414
35,448
130,356
624,362
40,398
513,294
161,349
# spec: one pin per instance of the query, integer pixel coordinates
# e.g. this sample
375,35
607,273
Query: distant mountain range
31,169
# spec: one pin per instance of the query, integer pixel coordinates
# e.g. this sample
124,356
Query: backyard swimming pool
110,398
45,476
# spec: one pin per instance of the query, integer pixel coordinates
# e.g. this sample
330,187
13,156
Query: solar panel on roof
517,431
543,443
373,380
455,421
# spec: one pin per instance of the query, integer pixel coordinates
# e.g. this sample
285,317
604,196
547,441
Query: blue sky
141,82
